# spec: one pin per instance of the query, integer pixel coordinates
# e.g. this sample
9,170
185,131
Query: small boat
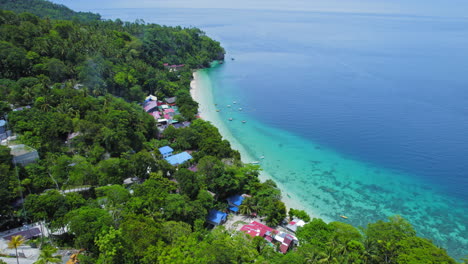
230,119
344,216
255,162
217,110
243,121
229,105
232,58
234,102
240,109
262,157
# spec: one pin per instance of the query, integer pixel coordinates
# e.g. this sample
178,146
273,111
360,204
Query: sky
443,8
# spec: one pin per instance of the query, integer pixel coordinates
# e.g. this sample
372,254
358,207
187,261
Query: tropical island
104,158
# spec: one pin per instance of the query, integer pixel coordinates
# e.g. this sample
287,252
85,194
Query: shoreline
202,93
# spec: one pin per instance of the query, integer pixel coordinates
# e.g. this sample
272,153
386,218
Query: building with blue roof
166,151
234,202
216,217
179,158
2,126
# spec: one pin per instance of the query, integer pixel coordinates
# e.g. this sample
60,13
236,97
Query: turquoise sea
356,114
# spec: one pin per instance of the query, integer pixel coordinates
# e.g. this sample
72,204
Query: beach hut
216,217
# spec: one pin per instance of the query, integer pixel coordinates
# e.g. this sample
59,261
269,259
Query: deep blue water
390,90
386,90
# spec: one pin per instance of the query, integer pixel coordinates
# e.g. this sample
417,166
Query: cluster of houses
164,112
286,241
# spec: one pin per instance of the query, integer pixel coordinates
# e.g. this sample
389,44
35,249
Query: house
216,217
234,202
151,98
21,108
163,121
170,100
156,115
173,67
286,240
166,151
2,126
182,125
150,106
257,229
133,180
193,168
294,224
72,136
169,110
23,154
178,158
27,234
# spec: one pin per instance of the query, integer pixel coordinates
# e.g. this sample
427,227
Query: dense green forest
48,9
89,77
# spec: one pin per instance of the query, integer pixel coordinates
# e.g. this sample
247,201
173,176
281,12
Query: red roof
284,248
287,240
256,229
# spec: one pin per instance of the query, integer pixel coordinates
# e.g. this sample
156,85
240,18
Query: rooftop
235,200
216,216
256,229
179,158
165,150
170,100
150,105
21,149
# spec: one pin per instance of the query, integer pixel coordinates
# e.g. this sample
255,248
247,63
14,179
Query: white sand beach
200,89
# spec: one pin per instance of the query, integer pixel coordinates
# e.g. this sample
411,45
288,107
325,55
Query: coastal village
104,157
165,113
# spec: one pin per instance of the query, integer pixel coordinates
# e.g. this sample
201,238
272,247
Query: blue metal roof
216,216
2,122
165,150
235,200
235,209
178,158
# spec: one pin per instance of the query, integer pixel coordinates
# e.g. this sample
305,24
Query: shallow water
357,115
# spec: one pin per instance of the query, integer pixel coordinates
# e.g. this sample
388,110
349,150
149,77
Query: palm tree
47,257
15,242
247,207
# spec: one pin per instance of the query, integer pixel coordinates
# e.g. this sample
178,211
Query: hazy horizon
451,8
